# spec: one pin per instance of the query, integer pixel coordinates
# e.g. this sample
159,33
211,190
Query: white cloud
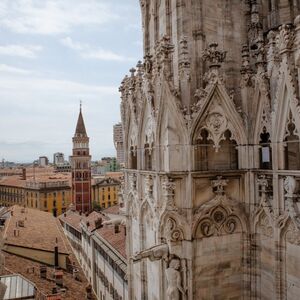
53,16
27,51
88,52
13,70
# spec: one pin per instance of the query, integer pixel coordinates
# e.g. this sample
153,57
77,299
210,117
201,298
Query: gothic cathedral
211,122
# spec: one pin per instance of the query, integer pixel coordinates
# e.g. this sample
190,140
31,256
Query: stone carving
154,253
172,232
216,124
148,63
148,187
184,62
218,185
217,222
174,280
265,226
132,181
246,70
168,190
214,56
284,39
293,234
289,186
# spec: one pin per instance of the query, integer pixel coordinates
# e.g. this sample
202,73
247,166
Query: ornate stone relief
284,39
217,217
172,232
184,62
293,234
265,226
148,186
168,191
214,58
218,221
216,124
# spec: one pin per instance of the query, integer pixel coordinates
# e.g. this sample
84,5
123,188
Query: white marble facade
211,122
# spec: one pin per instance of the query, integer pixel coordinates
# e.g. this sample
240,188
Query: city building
58,158
99,242
118,142
43,161
36,249
46,192
211,124
105,192
81,168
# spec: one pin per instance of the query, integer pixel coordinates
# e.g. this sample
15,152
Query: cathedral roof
80,127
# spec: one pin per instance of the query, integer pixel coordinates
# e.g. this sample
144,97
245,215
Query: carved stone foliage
132,181
284,39
218,221
214,58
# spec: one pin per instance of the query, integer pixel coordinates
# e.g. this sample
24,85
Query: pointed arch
171,133
287,113
218,126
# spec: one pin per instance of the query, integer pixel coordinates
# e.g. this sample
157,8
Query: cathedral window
209,157
291,148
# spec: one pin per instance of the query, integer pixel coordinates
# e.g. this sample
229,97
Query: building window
54,203
133,157
45,203
292,148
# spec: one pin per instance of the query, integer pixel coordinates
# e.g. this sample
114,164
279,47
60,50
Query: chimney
98,223
56,254
23,173
43,271
117,228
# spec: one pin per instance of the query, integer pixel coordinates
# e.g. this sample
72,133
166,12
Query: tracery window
210,157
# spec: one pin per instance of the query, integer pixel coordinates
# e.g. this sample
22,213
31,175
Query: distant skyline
53,54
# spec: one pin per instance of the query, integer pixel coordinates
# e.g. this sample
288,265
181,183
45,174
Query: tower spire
80,127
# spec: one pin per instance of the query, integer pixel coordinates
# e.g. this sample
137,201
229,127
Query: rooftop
107,232
41,230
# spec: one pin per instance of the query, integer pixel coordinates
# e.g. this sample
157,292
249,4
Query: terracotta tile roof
13,181
17,181
115,210
107,232
72,218
116,240
75,289
116,175
40,230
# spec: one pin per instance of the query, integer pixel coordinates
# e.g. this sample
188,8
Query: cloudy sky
54,53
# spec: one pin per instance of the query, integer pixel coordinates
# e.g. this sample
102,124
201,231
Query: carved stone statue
289,186
174,280
154,253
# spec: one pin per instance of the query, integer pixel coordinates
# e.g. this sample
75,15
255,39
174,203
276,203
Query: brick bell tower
81,168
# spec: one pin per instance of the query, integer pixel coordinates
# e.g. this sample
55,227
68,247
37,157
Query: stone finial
218,185
214,56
